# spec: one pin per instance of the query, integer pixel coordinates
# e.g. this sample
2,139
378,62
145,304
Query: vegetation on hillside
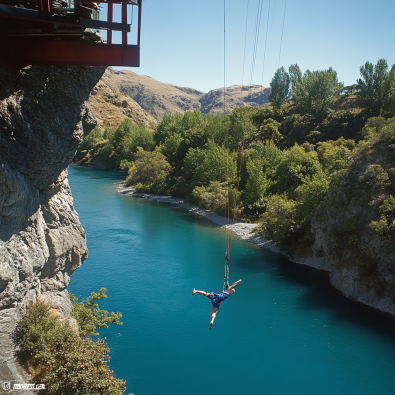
66,360
296,151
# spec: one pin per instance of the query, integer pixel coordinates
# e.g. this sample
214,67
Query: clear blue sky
182,41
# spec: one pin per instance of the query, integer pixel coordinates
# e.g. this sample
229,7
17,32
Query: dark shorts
218,297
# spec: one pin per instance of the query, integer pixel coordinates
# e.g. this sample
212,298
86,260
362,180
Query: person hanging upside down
216,299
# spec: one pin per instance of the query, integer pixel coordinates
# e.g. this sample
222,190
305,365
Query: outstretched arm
232,287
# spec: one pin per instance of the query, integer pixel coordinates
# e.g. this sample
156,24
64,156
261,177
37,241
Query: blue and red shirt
216,299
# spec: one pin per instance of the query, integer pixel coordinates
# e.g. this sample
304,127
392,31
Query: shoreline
343,282
243,230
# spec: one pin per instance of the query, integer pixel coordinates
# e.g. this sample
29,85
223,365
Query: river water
285,331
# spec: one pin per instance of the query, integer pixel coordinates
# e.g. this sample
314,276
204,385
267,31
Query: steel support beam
23,52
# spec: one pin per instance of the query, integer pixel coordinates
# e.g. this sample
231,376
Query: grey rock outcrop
44,114
361,260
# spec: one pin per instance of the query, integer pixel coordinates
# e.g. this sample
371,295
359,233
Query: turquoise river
286,331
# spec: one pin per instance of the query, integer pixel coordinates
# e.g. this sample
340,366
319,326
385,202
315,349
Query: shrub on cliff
361,207
279,220
63,361
90,142
90,317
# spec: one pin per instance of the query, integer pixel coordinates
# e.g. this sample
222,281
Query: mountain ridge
159,98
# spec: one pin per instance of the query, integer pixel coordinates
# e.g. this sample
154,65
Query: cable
244,57
256,38
282,31
264,53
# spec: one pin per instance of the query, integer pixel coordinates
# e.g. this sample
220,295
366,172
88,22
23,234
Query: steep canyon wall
44,115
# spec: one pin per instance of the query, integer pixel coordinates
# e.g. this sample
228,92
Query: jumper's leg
200,292
214,312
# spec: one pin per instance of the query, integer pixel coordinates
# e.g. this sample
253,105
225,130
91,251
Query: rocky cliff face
44,115
354,227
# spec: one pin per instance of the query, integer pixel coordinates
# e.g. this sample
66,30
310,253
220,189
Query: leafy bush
67,363
202,166
386,222
90,141
269,130
150,169
296,164
73,365
90,317
341,123
309,196
213,197
335,155
279,219
37,328
257,187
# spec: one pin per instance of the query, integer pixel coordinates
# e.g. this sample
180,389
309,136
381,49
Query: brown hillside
153,96
109,104
159,98
236,95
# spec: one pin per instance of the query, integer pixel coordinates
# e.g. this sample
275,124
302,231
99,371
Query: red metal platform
43,36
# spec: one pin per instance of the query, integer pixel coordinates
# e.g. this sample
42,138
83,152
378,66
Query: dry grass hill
109,104
159,98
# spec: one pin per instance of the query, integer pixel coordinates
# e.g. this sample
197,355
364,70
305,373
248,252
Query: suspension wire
264,53
282,32
227,246
230,235
256,38
244,56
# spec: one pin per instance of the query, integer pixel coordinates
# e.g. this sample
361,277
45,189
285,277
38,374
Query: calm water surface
285,331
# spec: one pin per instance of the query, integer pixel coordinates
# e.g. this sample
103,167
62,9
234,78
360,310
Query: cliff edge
44,115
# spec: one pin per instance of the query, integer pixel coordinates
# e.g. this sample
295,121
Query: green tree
134,138
269,131
376,89
315,91
335,155
71,365
169,148
256,190
271,156
386,223
37,328
279,88
213,197
149,171
191,119
208,164
90,141
122,131
109,131
170,124
240,127
295,166
64,362
90,317
279,219
309,196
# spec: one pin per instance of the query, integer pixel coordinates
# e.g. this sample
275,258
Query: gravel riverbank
243,230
